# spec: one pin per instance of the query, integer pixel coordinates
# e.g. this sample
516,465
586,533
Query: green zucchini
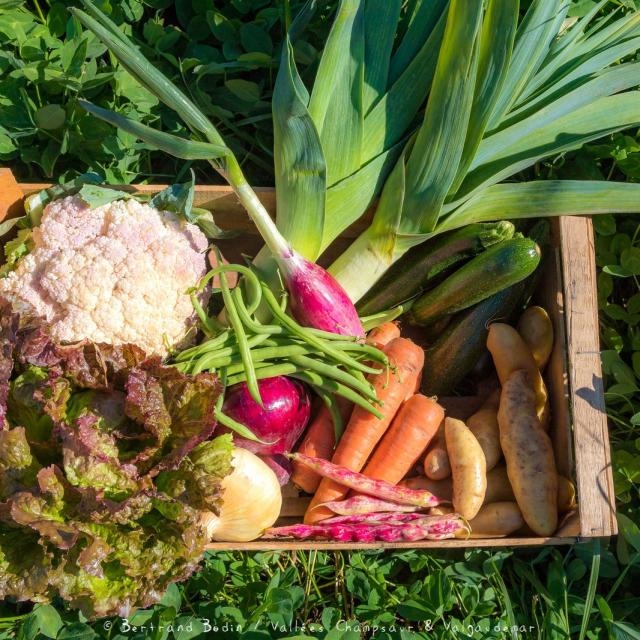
456,352
495,269
410,275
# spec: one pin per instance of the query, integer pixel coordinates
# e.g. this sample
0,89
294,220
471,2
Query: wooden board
574,377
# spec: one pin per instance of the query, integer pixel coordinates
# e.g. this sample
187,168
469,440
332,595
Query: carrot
381,336
408,436
318,442
364,430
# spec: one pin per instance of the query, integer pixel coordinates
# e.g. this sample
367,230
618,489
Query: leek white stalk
251,501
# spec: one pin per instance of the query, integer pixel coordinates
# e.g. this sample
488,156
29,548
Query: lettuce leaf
8,336
105,463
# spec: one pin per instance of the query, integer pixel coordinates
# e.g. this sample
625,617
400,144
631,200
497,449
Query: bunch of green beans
245,350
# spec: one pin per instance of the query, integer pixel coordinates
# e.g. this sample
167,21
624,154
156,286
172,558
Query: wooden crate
574,376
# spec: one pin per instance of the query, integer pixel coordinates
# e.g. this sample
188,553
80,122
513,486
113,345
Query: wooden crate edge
594,476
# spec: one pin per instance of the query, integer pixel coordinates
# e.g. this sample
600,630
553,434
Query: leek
502,99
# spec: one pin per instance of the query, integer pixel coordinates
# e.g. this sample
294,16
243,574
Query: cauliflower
118,274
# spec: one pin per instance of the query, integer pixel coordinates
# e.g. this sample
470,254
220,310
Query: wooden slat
310,545
596,495
550,296
10,195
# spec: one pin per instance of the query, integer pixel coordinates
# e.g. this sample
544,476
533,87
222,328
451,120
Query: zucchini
495,269
454,355
410,275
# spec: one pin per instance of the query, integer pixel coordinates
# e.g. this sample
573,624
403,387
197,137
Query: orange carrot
318,442
408,436
383,335
364,430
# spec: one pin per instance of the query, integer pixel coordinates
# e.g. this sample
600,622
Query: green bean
209,325
296,329
376,319
204,347
273,371
251,324
252,279
332,386
239,428
359,376
327,335
329,371
243,346
210,360
371,352
334,410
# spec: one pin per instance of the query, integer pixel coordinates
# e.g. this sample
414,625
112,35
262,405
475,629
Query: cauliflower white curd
118,273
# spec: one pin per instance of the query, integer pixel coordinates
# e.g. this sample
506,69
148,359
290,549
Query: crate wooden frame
574,376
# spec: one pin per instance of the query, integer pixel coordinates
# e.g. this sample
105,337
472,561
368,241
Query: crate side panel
596,496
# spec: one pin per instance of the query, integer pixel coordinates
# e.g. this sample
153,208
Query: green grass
586,591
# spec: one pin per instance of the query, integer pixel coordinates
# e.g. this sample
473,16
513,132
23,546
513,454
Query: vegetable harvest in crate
154,398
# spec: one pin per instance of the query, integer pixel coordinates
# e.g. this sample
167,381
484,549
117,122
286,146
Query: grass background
225,54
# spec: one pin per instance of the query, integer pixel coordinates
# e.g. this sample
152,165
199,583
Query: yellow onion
251,501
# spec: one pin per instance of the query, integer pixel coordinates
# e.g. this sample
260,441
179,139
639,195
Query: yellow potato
498,486
528,454
499,489
511,353
443,489
566,495
468,468
436,462
536,330
441,510
493,400
484,426
495,520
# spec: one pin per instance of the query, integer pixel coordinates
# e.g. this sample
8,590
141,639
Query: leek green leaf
336,104
535,33
178,147
545,198
381,18
529,144
299,162
395,113
592,62
423,19
553,103
347,199
496,46
433,162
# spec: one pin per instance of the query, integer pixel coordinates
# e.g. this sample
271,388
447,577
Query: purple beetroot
280,422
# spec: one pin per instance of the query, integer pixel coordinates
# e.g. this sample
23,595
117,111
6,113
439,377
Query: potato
499,489
441,510
436,462
566,495
468,468
536,330
498,486
493,400
495,520
442,489
510,353
484,426
528,454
